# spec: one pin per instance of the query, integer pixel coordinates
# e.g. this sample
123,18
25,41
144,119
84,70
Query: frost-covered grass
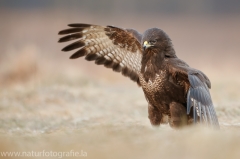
106,121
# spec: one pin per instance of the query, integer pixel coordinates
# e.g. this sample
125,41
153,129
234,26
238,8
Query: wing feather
200,112
198,95
113,47
199,92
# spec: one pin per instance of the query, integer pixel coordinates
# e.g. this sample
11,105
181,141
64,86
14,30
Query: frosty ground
105,119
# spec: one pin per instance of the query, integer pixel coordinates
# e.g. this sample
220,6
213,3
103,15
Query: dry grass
55,113
50,103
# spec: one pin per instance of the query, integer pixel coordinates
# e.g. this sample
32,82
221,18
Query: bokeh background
49,102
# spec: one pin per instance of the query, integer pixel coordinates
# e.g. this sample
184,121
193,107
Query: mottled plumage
176,93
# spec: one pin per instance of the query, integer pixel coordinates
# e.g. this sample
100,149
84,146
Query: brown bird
172,88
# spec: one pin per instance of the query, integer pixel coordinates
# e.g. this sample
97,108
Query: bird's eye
153,41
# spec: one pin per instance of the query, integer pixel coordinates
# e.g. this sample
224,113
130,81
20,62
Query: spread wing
199,100
113,47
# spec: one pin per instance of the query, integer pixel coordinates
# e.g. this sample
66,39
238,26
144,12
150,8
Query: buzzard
173,90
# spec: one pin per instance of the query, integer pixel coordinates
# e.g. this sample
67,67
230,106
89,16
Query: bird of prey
173,90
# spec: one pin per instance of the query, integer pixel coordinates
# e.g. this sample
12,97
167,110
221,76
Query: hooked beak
146,45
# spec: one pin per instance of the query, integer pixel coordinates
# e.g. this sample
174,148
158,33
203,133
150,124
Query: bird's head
156,39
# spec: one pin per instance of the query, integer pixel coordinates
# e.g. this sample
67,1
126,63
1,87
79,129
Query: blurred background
205,33
43,92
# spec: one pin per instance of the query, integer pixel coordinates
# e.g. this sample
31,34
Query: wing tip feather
79,53
73,46
80,25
